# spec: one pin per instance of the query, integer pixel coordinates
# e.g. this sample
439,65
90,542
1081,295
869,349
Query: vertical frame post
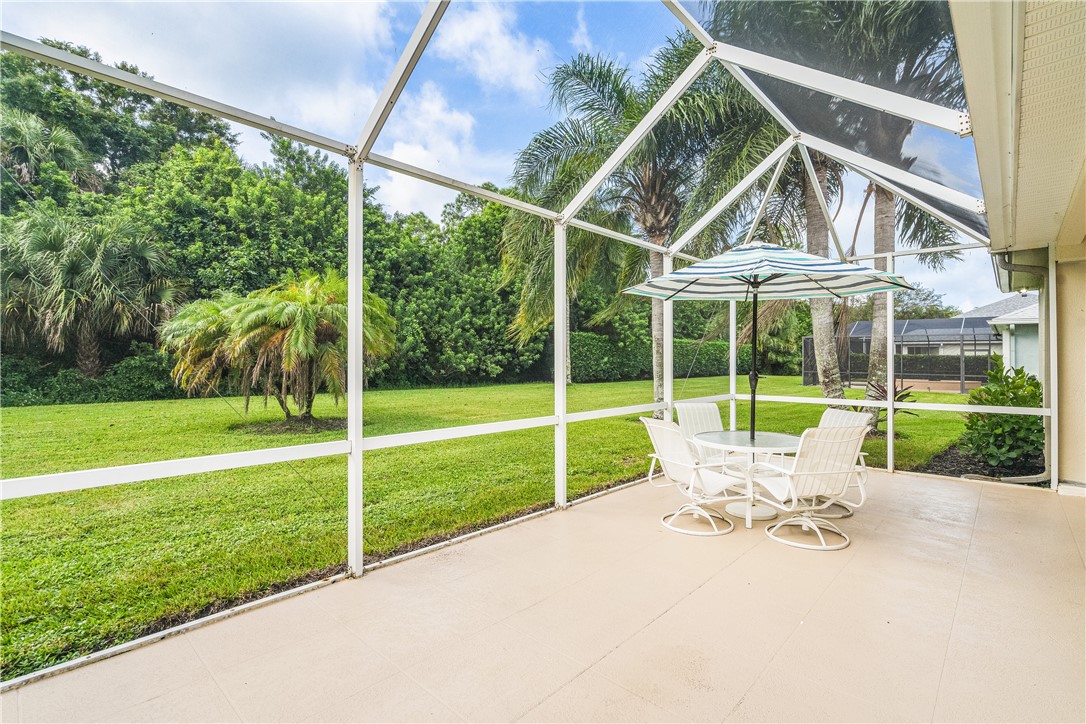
1051,385
891,374
355,371
561,358
732,352
669,348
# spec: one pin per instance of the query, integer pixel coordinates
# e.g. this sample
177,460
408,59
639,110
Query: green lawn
88,569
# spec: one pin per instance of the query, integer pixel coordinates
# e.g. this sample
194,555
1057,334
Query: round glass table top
739,441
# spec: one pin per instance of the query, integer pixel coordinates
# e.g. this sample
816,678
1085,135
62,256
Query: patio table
739,441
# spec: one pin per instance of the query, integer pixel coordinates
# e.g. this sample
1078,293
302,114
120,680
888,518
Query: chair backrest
695,417
844,418
825,463
676,459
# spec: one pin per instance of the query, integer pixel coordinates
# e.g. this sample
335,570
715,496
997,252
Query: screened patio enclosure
823,108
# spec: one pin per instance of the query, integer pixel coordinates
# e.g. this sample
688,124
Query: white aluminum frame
812,176
913,109
734,60
733,195
891,173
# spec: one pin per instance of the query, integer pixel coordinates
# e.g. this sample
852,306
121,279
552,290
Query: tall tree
690,153
118,127
72,283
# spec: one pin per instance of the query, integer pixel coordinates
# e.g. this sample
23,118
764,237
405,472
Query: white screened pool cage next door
775,82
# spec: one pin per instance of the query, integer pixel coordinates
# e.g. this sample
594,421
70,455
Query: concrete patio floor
957,601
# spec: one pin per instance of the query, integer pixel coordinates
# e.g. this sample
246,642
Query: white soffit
1052,119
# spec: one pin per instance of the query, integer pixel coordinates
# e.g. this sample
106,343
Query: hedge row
598,358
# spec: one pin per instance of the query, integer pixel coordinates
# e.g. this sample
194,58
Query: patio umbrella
771,272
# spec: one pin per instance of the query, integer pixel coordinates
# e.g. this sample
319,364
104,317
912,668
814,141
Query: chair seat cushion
775,485
714,482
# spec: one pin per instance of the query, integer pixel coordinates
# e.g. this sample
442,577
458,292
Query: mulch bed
292,426
955,462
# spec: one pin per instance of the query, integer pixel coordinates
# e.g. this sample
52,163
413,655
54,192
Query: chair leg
697,511
818,524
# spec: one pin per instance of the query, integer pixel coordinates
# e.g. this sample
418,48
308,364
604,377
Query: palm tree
72,283
700,147
26,143
288,340
901,44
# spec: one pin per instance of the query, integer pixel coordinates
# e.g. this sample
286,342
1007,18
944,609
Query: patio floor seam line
215,680
434,694
1070,528
795,629
957,602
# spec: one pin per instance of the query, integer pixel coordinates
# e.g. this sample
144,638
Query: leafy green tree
700,147
287,341
119,128
918,303
229,227
71,283
444,286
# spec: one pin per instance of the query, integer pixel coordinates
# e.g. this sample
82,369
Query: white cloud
426,131
581,40
482,40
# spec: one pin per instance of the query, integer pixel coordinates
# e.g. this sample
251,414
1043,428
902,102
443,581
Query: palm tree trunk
656,267
885,207
825,348
88,352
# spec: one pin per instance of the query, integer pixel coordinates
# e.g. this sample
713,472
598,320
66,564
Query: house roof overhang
1023,66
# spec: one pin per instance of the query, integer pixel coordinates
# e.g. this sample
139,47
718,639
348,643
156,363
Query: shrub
1006,441
146,375
598,358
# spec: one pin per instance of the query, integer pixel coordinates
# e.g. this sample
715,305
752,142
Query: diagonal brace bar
642,129
732,196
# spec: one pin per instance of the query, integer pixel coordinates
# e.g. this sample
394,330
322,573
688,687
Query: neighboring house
1020,338
1009,303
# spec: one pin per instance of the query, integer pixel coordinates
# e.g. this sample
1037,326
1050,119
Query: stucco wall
1071,358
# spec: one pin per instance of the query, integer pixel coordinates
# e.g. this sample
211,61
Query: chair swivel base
820,527
836,511
713,517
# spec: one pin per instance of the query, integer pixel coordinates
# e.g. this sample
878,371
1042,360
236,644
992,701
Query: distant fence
970,363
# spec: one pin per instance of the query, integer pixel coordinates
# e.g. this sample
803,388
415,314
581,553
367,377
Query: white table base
757,510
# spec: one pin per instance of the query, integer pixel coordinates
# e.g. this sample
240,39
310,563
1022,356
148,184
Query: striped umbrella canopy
770,271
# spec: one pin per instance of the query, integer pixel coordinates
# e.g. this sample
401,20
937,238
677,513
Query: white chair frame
823,470
704,484
834,417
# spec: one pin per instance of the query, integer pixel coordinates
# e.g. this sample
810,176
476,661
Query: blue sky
477,97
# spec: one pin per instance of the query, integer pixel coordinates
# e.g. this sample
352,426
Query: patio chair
822,471
848,418
703,483
699,417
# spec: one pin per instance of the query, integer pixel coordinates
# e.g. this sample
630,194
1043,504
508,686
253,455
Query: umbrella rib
680,291
823,286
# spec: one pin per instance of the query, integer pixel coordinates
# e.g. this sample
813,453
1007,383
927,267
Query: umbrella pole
753,377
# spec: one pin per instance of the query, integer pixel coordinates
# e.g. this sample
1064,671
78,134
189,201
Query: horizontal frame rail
929,406
101,71
140,472
919,252
402,439
614,412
